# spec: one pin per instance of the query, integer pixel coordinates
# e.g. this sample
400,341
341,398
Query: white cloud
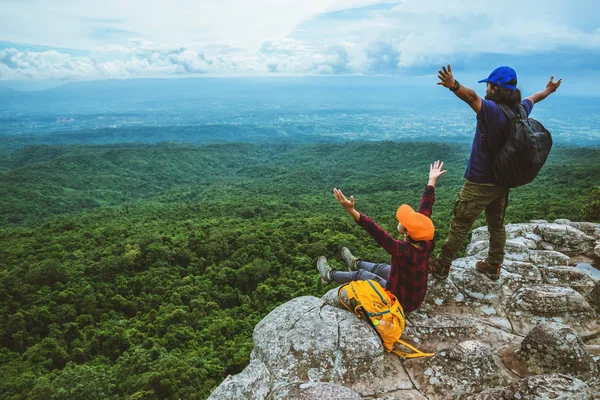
233,37
432,31
80,23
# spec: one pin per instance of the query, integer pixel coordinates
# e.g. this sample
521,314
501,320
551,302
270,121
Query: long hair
500,95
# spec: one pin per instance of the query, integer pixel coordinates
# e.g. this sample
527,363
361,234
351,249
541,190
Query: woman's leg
382,270
360,275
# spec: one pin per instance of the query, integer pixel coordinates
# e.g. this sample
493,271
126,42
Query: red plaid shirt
408,275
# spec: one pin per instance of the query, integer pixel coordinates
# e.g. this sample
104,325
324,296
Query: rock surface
308,391
533,334
541,387
466,368
556,348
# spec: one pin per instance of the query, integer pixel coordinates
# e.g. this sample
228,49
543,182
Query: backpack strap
510,113
485,142
417,353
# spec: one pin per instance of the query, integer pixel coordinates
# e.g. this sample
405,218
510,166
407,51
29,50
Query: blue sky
68,40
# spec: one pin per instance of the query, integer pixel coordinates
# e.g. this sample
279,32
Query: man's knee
466,212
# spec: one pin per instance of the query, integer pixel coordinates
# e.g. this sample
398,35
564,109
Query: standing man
480,191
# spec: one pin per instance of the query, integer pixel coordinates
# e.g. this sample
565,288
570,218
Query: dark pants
472,200
366,270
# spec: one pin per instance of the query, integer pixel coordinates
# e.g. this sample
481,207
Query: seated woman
406,275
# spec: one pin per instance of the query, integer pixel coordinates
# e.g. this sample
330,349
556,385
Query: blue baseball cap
501,76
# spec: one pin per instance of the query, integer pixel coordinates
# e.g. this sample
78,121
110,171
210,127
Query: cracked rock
442,331
569,276
565,238
466,368
548,300
535,304
305,339
556,348
313,391
594,297
253,382
540,387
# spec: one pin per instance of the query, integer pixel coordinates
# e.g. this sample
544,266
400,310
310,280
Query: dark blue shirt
495,124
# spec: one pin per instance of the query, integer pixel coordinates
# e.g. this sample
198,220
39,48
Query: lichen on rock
556,348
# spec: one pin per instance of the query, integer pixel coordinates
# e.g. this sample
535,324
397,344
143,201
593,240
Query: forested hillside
140,271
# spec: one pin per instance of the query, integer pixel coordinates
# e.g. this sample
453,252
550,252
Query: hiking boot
436,269
349,259
491,270
324,269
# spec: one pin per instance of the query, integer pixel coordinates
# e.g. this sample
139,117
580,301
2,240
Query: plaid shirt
409,264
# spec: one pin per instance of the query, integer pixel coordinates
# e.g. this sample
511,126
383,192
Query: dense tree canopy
140,271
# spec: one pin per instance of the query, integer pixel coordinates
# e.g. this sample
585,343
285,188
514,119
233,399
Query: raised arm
542,94
467,95
347,204
384,239
435,171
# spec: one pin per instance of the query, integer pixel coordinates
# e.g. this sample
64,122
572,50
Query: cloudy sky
69,40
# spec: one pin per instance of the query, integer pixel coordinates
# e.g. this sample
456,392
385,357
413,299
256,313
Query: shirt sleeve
489,111
528,105
427,201
392,246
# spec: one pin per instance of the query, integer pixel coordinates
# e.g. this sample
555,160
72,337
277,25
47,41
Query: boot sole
493,277
440,276
347,264
323,280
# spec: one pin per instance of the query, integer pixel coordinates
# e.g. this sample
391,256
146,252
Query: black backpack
524,152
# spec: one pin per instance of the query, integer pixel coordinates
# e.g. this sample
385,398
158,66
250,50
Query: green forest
139,271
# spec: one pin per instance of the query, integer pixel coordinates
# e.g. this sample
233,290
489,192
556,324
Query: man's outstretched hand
347,204
552,86
446,78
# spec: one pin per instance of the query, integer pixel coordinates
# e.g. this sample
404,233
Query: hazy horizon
304,110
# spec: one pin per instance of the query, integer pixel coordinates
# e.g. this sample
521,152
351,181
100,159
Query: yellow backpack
368,300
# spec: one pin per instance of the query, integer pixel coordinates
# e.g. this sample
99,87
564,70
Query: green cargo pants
472,200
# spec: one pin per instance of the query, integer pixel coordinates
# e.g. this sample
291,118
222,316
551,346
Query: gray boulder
518,273
476,247
556,348
445,331
307,340
533,304
555,387
331,298
565,238
516,249
313,391
398,395
548,300
441,294
466,368
569,276
540,387
254,382
484,296
589,228
548,257
594,297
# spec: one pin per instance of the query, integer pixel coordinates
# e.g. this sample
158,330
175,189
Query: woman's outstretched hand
347,204
435,171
